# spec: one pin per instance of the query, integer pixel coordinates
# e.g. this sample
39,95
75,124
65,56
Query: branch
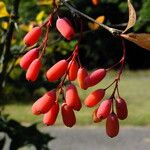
5,57
111,30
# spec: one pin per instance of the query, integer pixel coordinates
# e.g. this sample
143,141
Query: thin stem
122,61
118,92
44,44
110,85
108,69
112,100
120,71
72,57
54,4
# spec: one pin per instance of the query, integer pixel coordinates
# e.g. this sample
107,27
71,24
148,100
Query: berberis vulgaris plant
112,109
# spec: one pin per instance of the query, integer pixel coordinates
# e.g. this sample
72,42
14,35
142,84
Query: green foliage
144,17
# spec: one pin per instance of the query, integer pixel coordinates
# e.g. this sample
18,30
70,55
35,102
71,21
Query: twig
111,30
5,57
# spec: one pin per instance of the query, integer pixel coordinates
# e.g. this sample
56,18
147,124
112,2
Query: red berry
32,36
27,59
94,116
112,125
94,98
57,71
33,70
72,97
43,104
51,116
95,77
73,70
68,115
81,75
104,109
65,28
121,109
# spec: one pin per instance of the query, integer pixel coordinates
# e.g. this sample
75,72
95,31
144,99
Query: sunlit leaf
40,16
95,26
4,25
141,39
3,10
47,2
27,28
17,61
132,16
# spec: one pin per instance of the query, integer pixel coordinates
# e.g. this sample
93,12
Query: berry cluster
69,70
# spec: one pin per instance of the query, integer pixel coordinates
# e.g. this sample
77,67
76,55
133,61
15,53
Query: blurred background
98,49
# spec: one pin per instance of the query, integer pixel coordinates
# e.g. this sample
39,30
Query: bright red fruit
57,70
32,36
81,75
104,109
68,115
112,125
94,98
72,97
51,116
27,59
95,77
44,103
94,116
33,70
65,28
121,109
73,70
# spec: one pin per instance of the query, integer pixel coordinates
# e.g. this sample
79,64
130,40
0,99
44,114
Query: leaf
3,10
95,26
132,16
28,27
47,2
4,25
141,39
40,16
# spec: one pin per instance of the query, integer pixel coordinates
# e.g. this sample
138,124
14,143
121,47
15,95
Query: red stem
44,44
116,81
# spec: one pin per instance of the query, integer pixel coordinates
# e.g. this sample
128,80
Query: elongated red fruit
104,109
72,97
65,28
95,77
73,70
68,115
112,125
121,109
33,70
44,103
94,116
51,116
94,98
57,70
32,36
27,59
81,75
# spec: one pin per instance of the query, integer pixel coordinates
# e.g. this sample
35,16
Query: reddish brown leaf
141,39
